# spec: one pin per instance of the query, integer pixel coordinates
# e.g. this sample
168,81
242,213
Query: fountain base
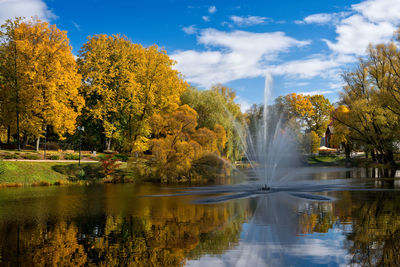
265,188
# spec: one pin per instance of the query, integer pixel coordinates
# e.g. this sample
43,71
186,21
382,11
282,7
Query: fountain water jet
271,144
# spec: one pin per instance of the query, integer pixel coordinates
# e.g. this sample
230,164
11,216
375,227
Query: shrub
33,157
81,174
72,157
121,157
109,164
11,156
60,182
54,157
100,157
41,183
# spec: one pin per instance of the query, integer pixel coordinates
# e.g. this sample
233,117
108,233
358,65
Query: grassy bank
43,173
326,160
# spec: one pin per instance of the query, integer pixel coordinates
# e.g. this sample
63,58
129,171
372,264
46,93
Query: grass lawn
46,172
328,160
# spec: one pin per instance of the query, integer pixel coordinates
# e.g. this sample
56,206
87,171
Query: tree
341,135
319,118
312,111
107,64
46,87
125,84
174,150
10,73
217,107
370,123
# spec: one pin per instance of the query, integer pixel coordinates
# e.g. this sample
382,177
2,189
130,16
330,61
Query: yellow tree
125,84
341,134
48,82
319,118
160,89
174,152
10,74
298,105
107,64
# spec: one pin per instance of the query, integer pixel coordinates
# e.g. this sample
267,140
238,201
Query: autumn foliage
179,143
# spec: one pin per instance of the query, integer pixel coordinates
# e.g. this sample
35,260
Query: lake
122,225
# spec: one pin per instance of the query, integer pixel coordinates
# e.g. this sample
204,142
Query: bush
11,156
54,157
71,157
121,157
100,157
81,174
33,157
109,165
41,183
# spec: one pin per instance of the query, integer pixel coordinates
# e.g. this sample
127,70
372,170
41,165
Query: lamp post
80,129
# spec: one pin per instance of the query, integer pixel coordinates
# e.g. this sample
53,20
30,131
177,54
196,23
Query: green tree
217,107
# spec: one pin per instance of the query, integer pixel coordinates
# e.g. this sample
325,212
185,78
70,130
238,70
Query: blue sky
304,45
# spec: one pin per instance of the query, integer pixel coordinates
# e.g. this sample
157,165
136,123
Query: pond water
119,225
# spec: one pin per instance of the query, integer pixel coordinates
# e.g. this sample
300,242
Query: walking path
49,160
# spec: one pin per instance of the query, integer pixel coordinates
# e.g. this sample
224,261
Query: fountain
270,145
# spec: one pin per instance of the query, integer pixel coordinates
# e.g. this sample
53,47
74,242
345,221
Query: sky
303,45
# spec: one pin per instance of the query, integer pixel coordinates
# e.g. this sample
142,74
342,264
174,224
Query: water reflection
127,231
110,225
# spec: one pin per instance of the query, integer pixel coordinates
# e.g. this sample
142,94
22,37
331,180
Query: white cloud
212,9
76,25
236,55
317,92
190,29
10,9
371,22
355,33
244,103
380,10
317,65
249,20
206,18
295,84
321,18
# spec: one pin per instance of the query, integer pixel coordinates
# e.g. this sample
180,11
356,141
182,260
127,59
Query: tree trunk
108,143
347,150
373,155
389,159
8,134
37,143
25,143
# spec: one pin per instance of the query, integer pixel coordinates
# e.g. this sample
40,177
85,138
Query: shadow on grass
83,172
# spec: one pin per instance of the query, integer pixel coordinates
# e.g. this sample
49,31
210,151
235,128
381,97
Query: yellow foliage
206,138
125,85
221,137
47,78
299,105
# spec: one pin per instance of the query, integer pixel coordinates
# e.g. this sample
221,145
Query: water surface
114,225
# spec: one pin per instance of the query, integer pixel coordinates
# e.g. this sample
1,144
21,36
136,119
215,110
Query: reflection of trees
317,218
44,245
164,237
375,237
